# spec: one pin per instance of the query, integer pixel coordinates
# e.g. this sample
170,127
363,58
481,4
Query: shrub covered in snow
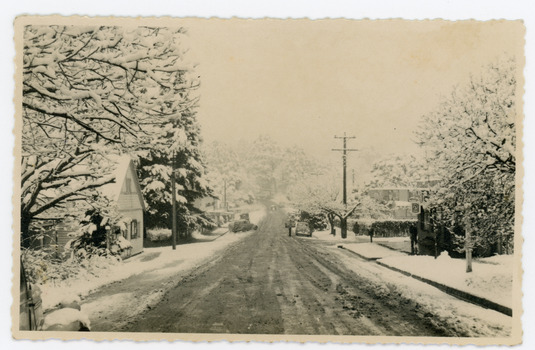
158,234
92,239
44,267
316,221
89,250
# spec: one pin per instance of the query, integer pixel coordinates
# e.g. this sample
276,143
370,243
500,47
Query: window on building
133,229
427,221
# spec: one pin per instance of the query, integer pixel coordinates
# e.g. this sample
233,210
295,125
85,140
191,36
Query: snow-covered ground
464,317
325,235
160,260
491,278
372,250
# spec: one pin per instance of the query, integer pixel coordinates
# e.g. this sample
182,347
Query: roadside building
212,208
124,194
398,199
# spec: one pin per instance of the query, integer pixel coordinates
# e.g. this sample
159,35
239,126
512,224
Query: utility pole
225,195
344,161
468,244
173,199
344,150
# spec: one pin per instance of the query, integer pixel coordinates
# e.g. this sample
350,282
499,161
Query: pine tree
155,170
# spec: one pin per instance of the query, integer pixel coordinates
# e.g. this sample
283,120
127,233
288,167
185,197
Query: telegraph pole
353,179
225,195
173,199
344,150
344,161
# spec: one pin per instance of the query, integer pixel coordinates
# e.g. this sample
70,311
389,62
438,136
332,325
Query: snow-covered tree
182,142
470,140
255,169
88,92
227,174
322,194
396,170
263,159
295,165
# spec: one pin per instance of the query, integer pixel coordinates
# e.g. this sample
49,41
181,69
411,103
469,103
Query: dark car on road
241,226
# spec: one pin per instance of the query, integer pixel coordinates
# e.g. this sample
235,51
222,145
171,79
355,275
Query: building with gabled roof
125,193
126,197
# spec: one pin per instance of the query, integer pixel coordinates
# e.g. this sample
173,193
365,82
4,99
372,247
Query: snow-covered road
272,283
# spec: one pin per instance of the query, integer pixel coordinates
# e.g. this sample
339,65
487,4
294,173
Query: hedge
385,228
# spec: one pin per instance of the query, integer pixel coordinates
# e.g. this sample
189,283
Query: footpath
489,284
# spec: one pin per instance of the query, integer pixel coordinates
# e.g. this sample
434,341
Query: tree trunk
343,227
25,230
330,217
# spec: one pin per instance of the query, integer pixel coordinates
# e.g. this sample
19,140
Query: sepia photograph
354,181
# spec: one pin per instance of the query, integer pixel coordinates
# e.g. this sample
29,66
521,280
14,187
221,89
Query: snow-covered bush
42,266
93,238
158,234
316,221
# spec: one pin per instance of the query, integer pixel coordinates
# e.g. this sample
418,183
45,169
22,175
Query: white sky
302,82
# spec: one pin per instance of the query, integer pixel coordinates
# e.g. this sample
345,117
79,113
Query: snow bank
463,317
372,250
491,278
66,319
325,235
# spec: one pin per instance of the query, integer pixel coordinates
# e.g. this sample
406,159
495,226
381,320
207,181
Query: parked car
68,317
31,311
302,229
241,226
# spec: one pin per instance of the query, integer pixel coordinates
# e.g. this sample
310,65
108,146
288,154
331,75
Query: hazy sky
302,82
